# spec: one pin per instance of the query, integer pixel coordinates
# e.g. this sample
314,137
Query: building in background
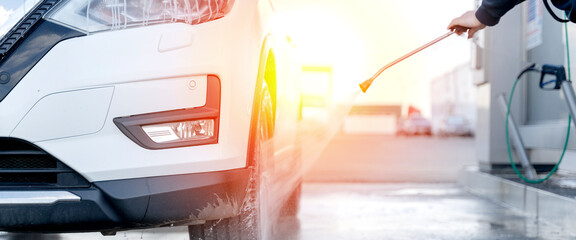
356,38
373,119
453,94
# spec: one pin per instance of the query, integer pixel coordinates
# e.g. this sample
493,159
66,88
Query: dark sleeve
490,11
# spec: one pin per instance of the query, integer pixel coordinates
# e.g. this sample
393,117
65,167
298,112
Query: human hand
466,23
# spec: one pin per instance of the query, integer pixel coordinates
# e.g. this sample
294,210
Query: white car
415,124
122,114
455,125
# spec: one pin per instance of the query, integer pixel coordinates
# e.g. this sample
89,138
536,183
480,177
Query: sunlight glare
322,38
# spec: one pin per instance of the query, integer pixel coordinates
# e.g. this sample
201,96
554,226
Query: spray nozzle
366,84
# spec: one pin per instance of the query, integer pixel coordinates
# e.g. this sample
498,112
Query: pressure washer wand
366,84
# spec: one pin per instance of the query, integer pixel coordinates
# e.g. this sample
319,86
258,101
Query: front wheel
253,221
255,215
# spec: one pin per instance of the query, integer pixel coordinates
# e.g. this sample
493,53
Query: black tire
216,229
252,223
292,205
254,211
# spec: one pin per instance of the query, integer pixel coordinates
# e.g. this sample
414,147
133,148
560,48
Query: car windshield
12,11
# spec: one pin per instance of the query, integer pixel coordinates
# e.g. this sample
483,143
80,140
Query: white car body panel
73,106
169,57
55,116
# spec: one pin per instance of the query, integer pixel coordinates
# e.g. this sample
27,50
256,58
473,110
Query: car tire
255,216
252,223
292,205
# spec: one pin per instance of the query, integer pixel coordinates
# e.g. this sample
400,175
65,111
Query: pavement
386,187
391,159
409,211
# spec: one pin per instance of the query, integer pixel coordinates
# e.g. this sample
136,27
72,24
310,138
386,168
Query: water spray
366,84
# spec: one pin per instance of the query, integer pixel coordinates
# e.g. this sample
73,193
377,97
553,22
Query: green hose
567,47
510,149
567,131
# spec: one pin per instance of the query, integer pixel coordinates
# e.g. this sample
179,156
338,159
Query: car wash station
405,130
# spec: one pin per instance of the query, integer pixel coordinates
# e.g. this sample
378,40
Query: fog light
180,131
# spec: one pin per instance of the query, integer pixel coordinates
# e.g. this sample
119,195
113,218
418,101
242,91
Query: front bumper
123,204
76,85
124,73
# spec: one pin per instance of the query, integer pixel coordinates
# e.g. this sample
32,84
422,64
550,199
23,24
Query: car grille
22,164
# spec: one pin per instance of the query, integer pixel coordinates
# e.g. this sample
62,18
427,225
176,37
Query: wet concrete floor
379,211
410,211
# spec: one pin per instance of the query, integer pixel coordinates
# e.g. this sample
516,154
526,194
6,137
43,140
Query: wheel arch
267,73
270,77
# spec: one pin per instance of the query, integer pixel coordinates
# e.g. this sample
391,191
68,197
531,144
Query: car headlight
177,128
103,15
180,131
